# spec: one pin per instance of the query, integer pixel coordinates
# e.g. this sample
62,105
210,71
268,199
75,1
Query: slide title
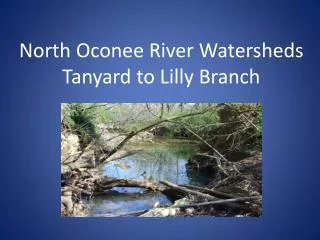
156,51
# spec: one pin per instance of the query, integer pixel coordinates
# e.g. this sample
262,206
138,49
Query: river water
154,161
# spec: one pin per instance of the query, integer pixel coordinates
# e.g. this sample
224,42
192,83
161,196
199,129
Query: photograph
161,159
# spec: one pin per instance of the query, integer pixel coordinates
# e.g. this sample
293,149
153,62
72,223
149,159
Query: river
154,161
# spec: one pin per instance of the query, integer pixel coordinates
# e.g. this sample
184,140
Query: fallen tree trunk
214,193
188,209
188,191
204,196
116,182
166,187
128,214
219,202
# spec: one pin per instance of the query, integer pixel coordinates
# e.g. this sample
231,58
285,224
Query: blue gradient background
32,90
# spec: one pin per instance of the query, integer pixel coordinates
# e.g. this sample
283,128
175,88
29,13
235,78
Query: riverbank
88,191
179,165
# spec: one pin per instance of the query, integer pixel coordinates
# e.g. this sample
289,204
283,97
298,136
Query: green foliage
226,126
203,124
107,114
242,129
81,120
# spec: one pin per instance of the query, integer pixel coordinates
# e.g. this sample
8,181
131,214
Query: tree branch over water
148,127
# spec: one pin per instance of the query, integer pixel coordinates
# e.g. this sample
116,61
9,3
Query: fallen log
172,194
145,192
165,187
116,182
204,196
214,193
220,202
128,214
175,192
171,190
182,209
188,191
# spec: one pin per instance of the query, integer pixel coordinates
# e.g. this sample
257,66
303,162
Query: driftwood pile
78,175
81,180
198,197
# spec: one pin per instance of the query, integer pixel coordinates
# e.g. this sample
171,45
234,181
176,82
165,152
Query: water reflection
116,204
154,161
157,161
